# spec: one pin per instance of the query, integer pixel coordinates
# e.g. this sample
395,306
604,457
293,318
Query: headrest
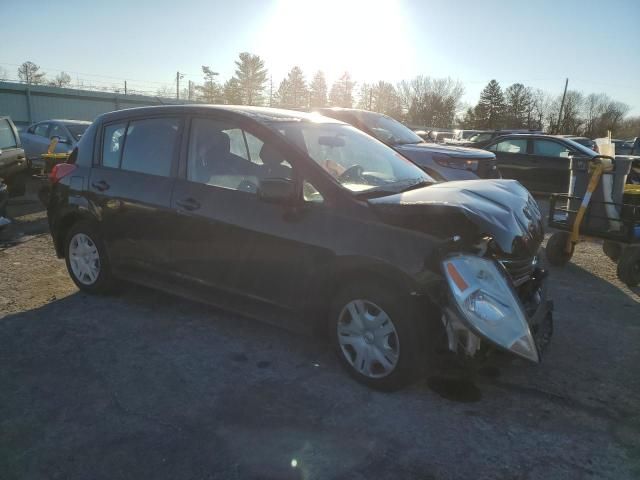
270,156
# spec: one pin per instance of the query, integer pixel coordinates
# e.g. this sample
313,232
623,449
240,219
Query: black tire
104,282
555,249
612,250
408,339
629,266
17,186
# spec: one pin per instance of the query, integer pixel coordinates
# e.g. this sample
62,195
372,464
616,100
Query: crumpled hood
451,151
503,209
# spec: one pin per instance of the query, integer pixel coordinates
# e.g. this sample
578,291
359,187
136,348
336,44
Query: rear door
132,187
513,160
551,158
12,158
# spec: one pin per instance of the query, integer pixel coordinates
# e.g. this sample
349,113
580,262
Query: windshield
76,130
352,157
388,130
480,137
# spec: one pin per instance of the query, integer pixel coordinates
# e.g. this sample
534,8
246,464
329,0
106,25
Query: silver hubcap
84,259
368,338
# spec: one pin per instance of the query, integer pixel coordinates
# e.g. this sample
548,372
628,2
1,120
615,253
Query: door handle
101,185
188,204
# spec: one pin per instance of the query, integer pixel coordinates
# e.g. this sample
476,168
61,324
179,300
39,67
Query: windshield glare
352,157
388,130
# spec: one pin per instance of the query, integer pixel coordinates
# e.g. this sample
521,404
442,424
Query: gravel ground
145,385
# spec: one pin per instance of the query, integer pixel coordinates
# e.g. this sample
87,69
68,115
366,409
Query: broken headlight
489,304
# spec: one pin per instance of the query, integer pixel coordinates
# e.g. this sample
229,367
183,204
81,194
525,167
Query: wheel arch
64,224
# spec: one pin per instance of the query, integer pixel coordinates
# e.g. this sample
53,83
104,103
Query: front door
132,190
226,237
552,159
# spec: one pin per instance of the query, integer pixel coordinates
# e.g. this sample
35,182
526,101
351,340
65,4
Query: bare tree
432,102
63,79
30,74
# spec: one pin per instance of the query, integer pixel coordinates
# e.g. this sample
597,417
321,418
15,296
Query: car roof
259,114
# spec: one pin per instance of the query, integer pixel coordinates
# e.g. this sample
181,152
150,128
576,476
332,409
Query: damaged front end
495,292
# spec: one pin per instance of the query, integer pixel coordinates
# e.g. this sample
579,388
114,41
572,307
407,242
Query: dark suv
440,161
308,222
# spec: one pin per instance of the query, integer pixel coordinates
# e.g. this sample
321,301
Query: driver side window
224,155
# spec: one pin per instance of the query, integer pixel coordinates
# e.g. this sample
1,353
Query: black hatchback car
305,221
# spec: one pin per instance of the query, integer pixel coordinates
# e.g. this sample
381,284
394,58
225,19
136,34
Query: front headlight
459,163
489,304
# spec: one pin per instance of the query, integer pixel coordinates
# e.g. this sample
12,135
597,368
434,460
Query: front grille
520,270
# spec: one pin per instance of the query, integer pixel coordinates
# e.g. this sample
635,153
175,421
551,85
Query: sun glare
367,38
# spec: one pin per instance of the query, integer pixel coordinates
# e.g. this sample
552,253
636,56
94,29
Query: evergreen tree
210,91
342,91
251,76
490,109
318,91
232,92
293,92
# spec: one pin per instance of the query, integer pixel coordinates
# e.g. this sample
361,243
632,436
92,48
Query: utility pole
190,89
125,87
566,83
270,90
178,77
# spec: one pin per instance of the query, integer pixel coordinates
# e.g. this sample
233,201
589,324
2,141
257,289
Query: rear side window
510,146
7,138
112,145
547,148
150,146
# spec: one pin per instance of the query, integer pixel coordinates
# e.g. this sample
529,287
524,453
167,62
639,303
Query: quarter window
7,138
547,148
112,145
150,146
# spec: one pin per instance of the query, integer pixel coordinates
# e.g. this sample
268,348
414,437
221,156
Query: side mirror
277,190
61,139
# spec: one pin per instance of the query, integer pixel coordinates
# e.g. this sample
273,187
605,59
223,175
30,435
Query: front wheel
375,336
629,266
556,249
87,260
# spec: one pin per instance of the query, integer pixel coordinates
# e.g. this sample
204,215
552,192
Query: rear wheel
629,266
375,336
86,259
612,250
556,249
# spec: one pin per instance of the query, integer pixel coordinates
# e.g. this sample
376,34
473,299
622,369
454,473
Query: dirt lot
145,385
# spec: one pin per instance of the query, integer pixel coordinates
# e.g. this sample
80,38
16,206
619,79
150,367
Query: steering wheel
352,173
247,186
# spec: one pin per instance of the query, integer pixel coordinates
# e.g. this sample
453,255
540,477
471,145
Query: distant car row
540,162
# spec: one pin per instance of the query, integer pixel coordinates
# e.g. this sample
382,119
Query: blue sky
596,44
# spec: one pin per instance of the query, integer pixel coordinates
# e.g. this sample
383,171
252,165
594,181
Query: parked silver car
36,139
